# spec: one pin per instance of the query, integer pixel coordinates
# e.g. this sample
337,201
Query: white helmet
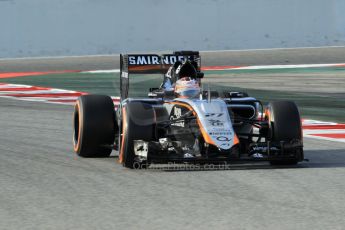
187,87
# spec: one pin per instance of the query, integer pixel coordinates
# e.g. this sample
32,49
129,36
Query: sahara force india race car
165,127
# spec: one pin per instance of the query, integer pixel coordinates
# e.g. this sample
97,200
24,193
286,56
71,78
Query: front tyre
285,125
94,126
138,123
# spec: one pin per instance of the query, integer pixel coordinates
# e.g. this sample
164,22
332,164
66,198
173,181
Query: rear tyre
285,125
94,126
138,123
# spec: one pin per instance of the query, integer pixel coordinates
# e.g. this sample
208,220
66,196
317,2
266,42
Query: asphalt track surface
44,185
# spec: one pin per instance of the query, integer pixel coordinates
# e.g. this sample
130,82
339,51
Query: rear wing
151,64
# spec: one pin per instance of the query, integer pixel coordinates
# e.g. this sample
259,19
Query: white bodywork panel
215,119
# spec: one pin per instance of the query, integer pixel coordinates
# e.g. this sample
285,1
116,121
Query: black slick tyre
137,124
94,126
284,125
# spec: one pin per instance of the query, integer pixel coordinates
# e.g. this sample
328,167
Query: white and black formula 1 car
181,123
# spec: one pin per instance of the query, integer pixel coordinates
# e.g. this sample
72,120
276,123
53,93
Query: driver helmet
187,87
185,69
186,84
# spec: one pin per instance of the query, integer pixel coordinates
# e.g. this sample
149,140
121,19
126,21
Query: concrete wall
79,27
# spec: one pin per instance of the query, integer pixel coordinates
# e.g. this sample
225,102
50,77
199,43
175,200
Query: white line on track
287,66
325,138
103,71
323,131
47,91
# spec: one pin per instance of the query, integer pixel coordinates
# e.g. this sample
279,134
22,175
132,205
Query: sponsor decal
143,60
215,122
155,59
177,113
214,114
171,59
224,133
223,138
215,119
